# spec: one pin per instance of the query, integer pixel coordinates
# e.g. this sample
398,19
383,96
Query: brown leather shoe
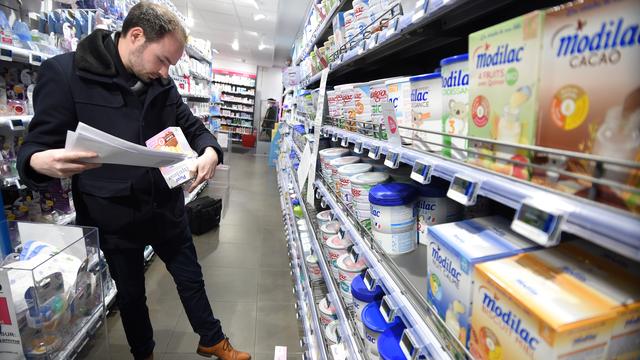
223,351
150,357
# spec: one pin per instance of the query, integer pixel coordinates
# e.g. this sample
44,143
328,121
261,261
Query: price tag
334,138
393,159
408,345
16,124
369,279
463,190
341,232
393,27
35,59
374,152
6,55
421,172
345,142
357,148
354,253
387,310
539,222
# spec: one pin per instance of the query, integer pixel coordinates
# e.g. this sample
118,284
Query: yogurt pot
313,269
362,183
392,207
327,313
336,247
426,111
347,271
455,104
389,343
375,325
399,94
434,207
362,297
331,333
344,175
323,217
336,164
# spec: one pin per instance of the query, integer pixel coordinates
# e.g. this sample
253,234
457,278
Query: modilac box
503,91
590,91
454,250
554,304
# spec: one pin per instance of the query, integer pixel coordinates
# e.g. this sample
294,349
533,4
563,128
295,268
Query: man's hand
60,163
205,167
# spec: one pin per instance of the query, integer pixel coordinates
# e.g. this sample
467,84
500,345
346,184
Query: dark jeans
127,269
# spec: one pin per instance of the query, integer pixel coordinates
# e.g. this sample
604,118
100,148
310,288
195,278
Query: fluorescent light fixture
255,3
235,45
258,17
189,22
252,33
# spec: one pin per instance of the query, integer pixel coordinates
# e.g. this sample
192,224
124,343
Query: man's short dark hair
155,20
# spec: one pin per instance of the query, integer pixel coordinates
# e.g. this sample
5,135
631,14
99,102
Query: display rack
321,32
225,79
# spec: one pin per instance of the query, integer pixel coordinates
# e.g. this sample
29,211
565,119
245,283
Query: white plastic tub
344,175
338,163
362,183
327,313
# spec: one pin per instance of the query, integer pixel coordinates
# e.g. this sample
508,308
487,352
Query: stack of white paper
113,150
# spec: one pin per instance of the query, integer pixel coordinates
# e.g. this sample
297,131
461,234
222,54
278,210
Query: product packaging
426,111
455,104
172,139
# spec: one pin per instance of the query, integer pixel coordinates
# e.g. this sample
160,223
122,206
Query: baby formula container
426,111
362,297
344,175
347,270
336,247
327,155
335,164
362,183
434,207
455,104
375,325
393,218
399,94
323,217
389,343
331,333
313,269
327,313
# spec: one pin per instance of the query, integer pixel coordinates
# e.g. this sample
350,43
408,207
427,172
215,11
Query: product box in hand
172,139
504,62
558,303
455,249
590,94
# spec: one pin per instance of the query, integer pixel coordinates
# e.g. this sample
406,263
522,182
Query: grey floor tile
231,284
233,233
276,325
238,323
275,286
273,255
232,255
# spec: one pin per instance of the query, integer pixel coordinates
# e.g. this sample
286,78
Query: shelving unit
225,79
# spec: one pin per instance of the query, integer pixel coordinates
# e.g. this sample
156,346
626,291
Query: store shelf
322,30
202,114
348,333
234,125
608,227
194,53
232,84
67,219
16,54
196,98
15,120
235,117
238,93
238,110
412,306
199,76
236,102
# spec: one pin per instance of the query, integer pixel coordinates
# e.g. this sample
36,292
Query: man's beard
137,64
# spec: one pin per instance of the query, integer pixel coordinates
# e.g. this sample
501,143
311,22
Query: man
118,83
270,118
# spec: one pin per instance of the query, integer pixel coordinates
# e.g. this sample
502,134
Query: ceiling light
235,45
252,33
261,46
255,3
258,17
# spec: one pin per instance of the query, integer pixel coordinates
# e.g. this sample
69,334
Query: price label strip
370,280
539,222
463,190
374,152
357,147
6,55
393,27
35,59
421,172
345,142
334,138
392,160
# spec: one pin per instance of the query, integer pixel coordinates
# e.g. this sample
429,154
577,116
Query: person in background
118,82
270,118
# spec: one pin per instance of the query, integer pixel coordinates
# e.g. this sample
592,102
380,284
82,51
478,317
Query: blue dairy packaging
454,249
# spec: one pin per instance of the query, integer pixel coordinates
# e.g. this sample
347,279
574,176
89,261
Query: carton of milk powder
455,104
503,91
454,250
173,140
590,90
554,304
426,111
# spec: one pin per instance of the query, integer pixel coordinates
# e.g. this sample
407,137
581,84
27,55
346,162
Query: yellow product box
504,62
559,303
590,93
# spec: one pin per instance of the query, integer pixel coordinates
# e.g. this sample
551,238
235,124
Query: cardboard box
555,303
173,140
455,249
504,62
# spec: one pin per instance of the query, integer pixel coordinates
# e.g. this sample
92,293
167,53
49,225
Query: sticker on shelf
421,172
374,152
463,190
357,147
392,159
539,222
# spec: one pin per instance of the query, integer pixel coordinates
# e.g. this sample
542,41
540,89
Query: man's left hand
205,167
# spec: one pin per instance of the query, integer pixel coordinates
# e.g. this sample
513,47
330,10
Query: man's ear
136,35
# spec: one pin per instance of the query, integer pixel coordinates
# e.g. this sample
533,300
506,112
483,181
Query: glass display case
52,291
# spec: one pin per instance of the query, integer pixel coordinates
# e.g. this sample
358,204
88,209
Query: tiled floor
246,273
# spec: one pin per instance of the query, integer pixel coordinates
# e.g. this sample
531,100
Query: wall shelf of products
227,81
234,84
322,30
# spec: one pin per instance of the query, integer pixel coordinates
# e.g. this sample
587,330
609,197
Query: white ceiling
222,21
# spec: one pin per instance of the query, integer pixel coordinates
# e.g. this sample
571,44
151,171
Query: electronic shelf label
463,190
421,172
392,159
357,147
539,221
374,152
